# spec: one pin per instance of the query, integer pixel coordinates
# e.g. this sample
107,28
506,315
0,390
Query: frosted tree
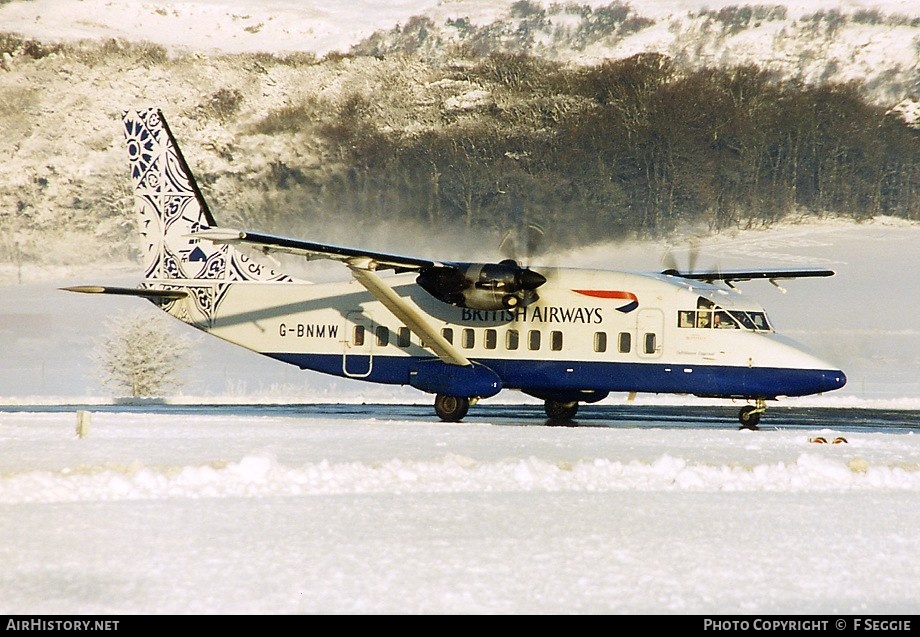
143,355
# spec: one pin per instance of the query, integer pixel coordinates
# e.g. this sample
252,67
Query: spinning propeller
490,286
730,277
669,261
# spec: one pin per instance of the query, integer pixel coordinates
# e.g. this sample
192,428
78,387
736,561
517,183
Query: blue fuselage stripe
716,381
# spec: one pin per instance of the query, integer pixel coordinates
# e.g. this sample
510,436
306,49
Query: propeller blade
508,246
670,263
693,254
536,238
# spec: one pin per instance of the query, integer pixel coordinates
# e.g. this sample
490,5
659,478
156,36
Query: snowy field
341,513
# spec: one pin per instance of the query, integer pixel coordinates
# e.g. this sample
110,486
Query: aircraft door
650,328
358,357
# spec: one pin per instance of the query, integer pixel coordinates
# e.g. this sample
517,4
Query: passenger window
383,335
600,342
624,343
533,340
358,340
704,319
650,342
448,334
555,340
512,339
403,337
491,339
469,338
686,319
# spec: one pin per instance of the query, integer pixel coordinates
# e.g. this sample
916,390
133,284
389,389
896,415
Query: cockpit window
702,303
760,321
722,320
744,319
717,318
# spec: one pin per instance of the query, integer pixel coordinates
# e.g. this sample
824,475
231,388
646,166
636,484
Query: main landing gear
558,410
749,416
454,408
451,408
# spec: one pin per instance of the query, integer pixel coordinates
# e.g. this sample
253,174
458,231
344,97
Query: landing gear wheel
451,408
557,410
749,417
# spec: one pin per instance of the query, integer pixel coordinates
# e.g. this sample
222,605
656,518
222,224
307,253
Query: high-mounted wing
479,286
362,264
310,250
729,277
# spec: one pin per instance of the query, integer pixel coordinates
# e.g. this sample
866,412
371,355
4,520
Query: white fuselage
590,331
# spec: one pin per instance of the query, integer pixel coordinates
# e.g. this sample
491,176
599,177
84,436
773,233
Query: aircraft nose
835,379
817,381
827,380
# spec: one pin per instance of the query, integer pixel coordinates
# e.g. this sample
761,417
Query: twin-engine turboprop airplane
460,331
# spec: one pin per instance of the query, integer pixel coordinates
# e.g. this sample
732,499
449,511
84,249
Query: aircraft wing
730,277
362,264
369,259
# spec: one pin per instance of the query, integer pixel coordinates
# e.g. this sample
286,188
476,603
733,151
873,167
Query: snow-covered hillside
875,41
63,157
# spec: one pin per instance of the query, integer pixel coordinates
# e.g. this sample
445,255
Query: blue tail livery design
460,331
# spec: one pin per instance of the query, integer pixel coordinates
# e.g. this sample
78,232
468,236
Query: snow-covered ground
186,514
180,513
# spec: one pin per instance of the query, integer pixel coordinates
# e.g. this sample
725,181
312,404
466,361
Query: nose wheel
749,416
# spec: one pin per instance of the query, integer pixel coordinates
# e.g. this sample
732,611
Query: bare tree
143,355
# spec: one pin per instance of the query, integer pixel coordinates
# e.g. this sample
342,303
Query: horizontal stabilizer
146,293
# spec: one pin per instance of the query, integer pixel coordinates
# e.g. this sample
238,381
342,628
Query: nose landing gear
749,416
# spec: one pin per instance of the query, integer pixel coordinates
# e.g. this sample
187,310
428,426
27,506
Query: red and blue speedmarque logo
614,294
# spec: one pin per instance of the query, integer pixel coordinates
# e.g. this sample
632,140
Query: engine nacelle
482,286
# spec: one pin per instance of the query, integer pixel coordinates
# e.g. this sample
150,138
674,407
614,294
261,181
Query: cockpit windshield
711,316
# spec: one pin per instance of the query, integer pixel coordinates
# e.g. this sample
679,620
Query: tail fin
170,207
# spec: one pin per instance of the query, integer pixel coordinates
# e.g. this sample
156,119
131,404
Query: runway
841,419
